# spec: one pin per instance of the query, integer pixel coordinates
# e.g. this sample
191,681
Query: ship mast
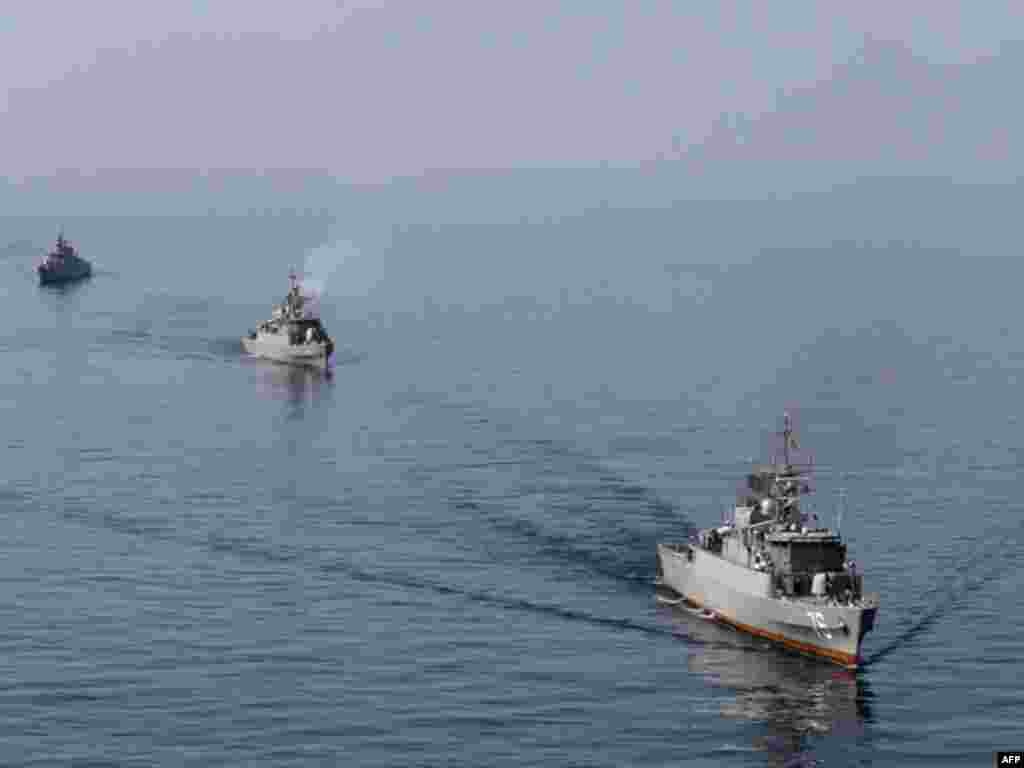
789,485
788,441
787,436
294,300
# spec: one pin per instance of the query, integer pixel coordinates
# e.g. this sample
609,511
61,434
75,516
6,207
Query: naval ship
293,334
772,572
63,264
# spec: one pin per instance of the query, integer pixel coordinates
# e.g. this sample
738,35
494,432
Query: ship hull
743,599
67,274
315,355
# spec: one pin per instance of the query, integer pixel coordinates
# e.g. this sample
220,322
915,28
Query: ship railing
870,600
799,583
676,546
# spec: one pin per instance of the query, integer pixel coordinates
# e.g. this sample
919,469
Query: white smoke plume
327,270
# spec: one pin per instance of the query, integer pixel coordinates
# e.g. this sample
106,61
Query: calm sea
443,553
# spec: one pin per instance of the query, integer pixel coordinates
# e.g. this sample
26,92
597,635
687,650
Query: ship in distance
63,264
771,571
293,335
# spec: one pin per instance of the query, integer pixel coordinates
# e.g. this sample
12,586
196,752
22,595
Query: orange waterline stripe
846,659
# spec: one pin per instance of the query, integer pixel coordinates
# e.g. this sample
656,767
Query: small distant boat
63,264
293,335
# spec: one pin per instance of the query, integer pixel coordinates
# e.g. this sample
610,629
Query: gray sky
368,90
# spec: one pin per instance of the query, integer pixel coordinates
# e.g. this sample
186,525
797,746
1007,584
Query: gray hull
745,599
314,355
66,273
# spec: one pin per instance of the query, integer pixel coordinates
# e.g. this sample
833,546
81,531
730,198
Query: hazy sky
369,89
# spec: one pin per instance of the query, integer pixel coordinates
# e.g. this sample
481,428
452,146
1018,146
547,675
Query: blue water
442,554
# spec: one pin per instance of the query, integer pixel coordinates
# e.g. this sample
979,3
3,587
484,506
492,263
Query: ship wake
277,556
566,508
989,559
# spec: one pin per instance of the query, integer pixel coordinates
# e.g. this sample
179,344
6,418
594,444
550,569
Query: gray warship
772,572
63,264
293,335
